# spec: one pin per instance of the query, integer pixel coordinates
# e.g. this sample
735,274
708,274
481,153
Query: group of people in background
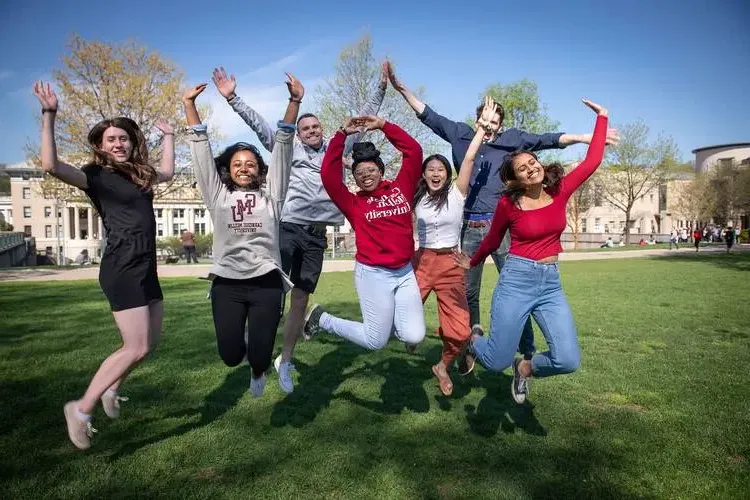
270,224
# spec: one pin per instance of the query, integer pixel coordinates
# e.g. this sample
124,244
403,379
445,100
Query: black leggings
255,302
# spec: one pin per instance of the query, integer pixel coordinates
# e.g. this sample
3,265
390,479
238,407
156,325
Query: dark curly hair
137,168
553,174
439,198
224,160
366,151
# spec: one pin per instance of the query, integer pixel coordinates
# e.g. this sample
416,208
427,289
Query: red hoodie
382,218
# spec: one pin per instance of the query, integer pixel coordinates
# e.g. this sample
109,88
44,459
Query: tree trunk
627,226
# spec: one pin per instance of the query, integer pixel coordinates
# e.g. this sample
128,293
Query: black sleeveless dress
127,273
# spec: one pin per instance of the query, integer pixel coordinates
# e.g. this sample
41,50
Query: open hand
46,96
191,93
488,112
165,127
461,259
383,75
225,85
371,122
597,108
296,90
613,137
354,125
392,77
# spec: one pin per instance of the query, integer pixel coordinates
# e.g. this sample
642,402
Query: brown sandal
446,386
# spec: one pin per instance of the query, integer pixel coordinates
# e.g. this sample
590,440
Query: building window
597,225
26,193
584,228
160,229
48,231
200,228
27,212
651,197
200,213
48,211
159,212
175,229
178,213
723,162
59,231
27,231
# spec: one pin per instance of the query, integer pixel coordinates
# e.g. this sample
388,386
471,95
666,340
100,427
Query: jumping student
119,182
532,209
381,217
248,282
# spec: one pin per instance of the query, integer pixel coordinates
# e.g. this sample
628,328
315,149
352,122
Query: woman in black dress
119,182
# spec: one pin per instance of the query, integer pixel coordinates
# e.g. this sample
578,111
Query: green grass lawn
659,409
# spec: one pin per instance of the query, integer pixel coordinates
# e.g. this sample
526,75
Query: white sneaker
79,431
111,403
257,385
284,369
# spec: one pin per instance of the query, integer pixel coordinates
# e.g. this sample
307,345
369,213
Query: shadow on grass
497,410
217,403
737,260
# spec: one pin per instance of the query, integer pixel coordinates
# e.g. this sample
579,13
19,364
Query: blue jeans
390,303
528,288
471,237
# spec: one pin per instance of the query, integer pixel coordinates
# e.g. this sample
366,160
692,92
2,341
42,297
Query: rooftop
720,146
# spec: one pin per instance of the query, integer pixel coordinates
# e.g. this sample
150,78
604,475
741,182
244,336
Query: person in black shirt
119,182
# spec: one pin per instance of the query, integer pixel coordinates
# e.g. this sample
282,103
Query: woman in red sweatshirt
381,215
533,209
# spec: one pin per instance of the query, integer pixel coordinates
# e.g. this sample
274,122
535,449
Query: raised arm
612,137
332,170
447,129
226,85
50,163
467,165
165,172
283,149
204,167
594,155
411,164
371,107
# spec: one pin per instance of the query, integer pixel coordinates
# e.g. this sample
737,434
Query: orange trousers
436,271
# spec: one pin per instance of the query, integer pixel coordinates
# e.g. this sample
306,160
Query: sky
684,68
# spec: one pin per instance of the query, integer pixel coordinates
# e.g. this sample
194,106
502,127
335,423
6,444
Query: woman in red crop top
533,209
381,215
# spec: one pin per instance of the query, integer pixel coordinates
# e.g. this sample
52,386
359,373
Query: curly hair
224,160
441,196
136,167
366,151
553,174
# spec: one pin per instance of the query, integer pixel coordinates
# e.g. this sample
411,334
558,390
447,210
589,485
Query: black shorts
302,249
129,280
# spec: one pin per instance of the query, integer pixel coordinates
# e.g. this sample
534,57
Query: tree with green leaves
634,167
522,105
100,80
357,74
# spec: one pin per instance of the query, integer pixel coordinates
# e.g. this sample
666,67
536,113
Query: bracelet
48,111
291,99
168,133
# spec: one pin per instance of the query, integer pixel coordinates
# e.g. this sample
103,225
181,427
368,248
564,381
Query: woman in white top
439,207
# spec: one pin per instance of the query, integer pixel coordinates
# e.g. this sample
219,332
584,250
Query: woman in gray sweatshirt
248,284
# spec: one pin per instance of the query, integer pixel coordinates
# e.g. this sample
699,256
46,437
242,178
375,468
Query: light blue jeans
388,298
528,288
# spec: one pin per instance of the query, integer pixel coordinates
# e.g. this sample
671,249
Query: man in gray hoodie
307,210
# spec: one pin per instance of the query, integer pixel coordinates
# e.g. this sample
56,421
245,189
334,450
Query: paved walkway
201,270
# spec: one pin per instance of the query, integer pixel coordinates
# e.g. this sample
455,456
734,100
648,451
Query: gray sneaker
79,431
519,389
257,385
111,404
284,369
312,322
